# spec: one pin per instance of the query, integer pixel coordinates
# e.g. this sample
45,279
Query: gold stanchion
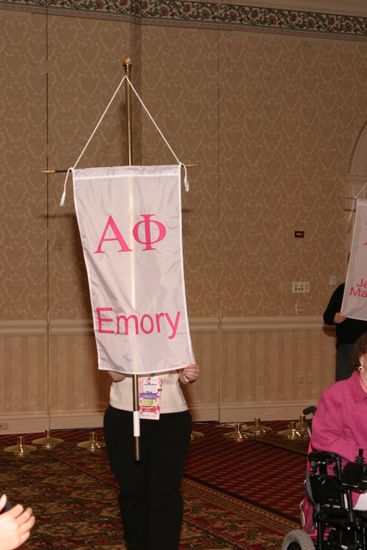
238,434
47,442
195,436
92,444
293,433
257,428
20,449
302,428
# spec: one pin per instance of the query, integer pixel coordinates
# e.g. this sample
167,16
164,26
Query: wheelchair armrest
323,457
309,410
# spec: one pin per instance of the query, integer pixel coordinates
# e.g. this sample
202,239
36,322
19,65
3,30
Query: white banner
131,231
355,292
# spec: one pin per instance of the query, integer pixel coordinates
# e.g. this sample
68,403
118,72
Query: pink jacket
339,426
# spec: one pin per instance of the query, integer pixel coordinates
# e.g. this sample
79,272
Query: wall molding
312,18
208,412
234,324
197,324
85,326
265,410
23,328
219,345
34,423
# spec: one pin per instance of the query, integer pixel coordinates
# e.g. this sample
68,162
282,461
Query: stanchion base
238,434
48,442
257,429
196,435
20,449
92,444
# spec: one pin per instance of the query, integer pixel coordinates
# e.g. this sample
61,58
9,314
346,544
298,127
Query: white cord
355,199
186,180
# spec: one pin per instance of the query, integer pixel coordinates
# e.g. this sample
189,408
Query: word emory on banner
355,292
131,231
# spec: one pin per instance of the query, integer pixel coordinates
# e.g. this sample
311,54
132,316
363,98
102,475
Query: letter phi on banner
131,231
355,292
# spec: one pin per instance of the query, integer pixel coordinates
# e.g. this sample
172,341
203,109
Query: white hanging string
63,196
186,181
355,200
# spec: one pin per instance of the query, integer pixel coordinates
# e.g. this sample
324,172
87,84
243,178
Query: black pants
344,362
150,500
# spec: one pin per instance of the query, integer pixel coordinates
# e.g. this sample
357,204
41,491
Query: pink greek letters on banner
355,292
147,234
129,220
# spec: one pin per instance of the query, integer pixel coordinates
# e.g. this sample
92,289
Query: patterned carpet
74,495
257,470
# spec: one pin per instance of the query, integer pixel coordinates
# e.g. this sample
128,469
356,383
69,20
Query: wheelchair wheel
297,540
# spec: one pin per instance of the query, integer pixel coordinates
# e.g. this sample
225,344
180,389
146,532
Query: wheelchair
336,524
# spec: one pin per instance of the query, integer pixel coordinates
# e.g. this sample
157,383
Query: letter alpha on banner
118,237
130,226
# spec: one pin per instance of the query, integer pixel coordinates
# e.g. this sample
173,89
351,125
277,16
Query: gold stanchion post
238,434
136,420
20,449
257,428
92,444
47,442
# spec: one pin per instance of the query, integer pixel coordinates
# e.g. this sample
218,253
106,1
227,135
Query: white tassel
63,196
186,183
186,179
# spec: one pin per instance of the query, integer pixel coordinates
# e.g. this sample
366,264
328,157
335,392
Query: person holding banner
150,501
130,224
347,331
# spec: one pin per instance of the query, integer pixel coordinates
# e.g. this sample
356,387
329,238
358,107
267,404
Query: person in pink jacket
339,424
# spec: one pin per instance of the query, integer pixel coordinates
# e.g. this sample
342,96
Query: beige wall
271,118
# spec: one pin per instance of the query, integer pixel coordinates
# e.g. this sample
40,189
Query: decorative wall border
215,14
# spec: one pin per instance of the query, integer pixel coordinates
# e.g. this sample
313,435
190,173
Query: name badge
150,389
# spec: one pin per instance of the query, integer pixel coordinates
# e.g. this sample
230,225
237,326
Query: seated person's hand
15,525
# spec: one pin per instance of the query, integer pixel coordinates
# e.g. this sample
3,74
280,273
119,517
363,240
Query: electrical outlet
301,378
299,310
4,426
301,287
